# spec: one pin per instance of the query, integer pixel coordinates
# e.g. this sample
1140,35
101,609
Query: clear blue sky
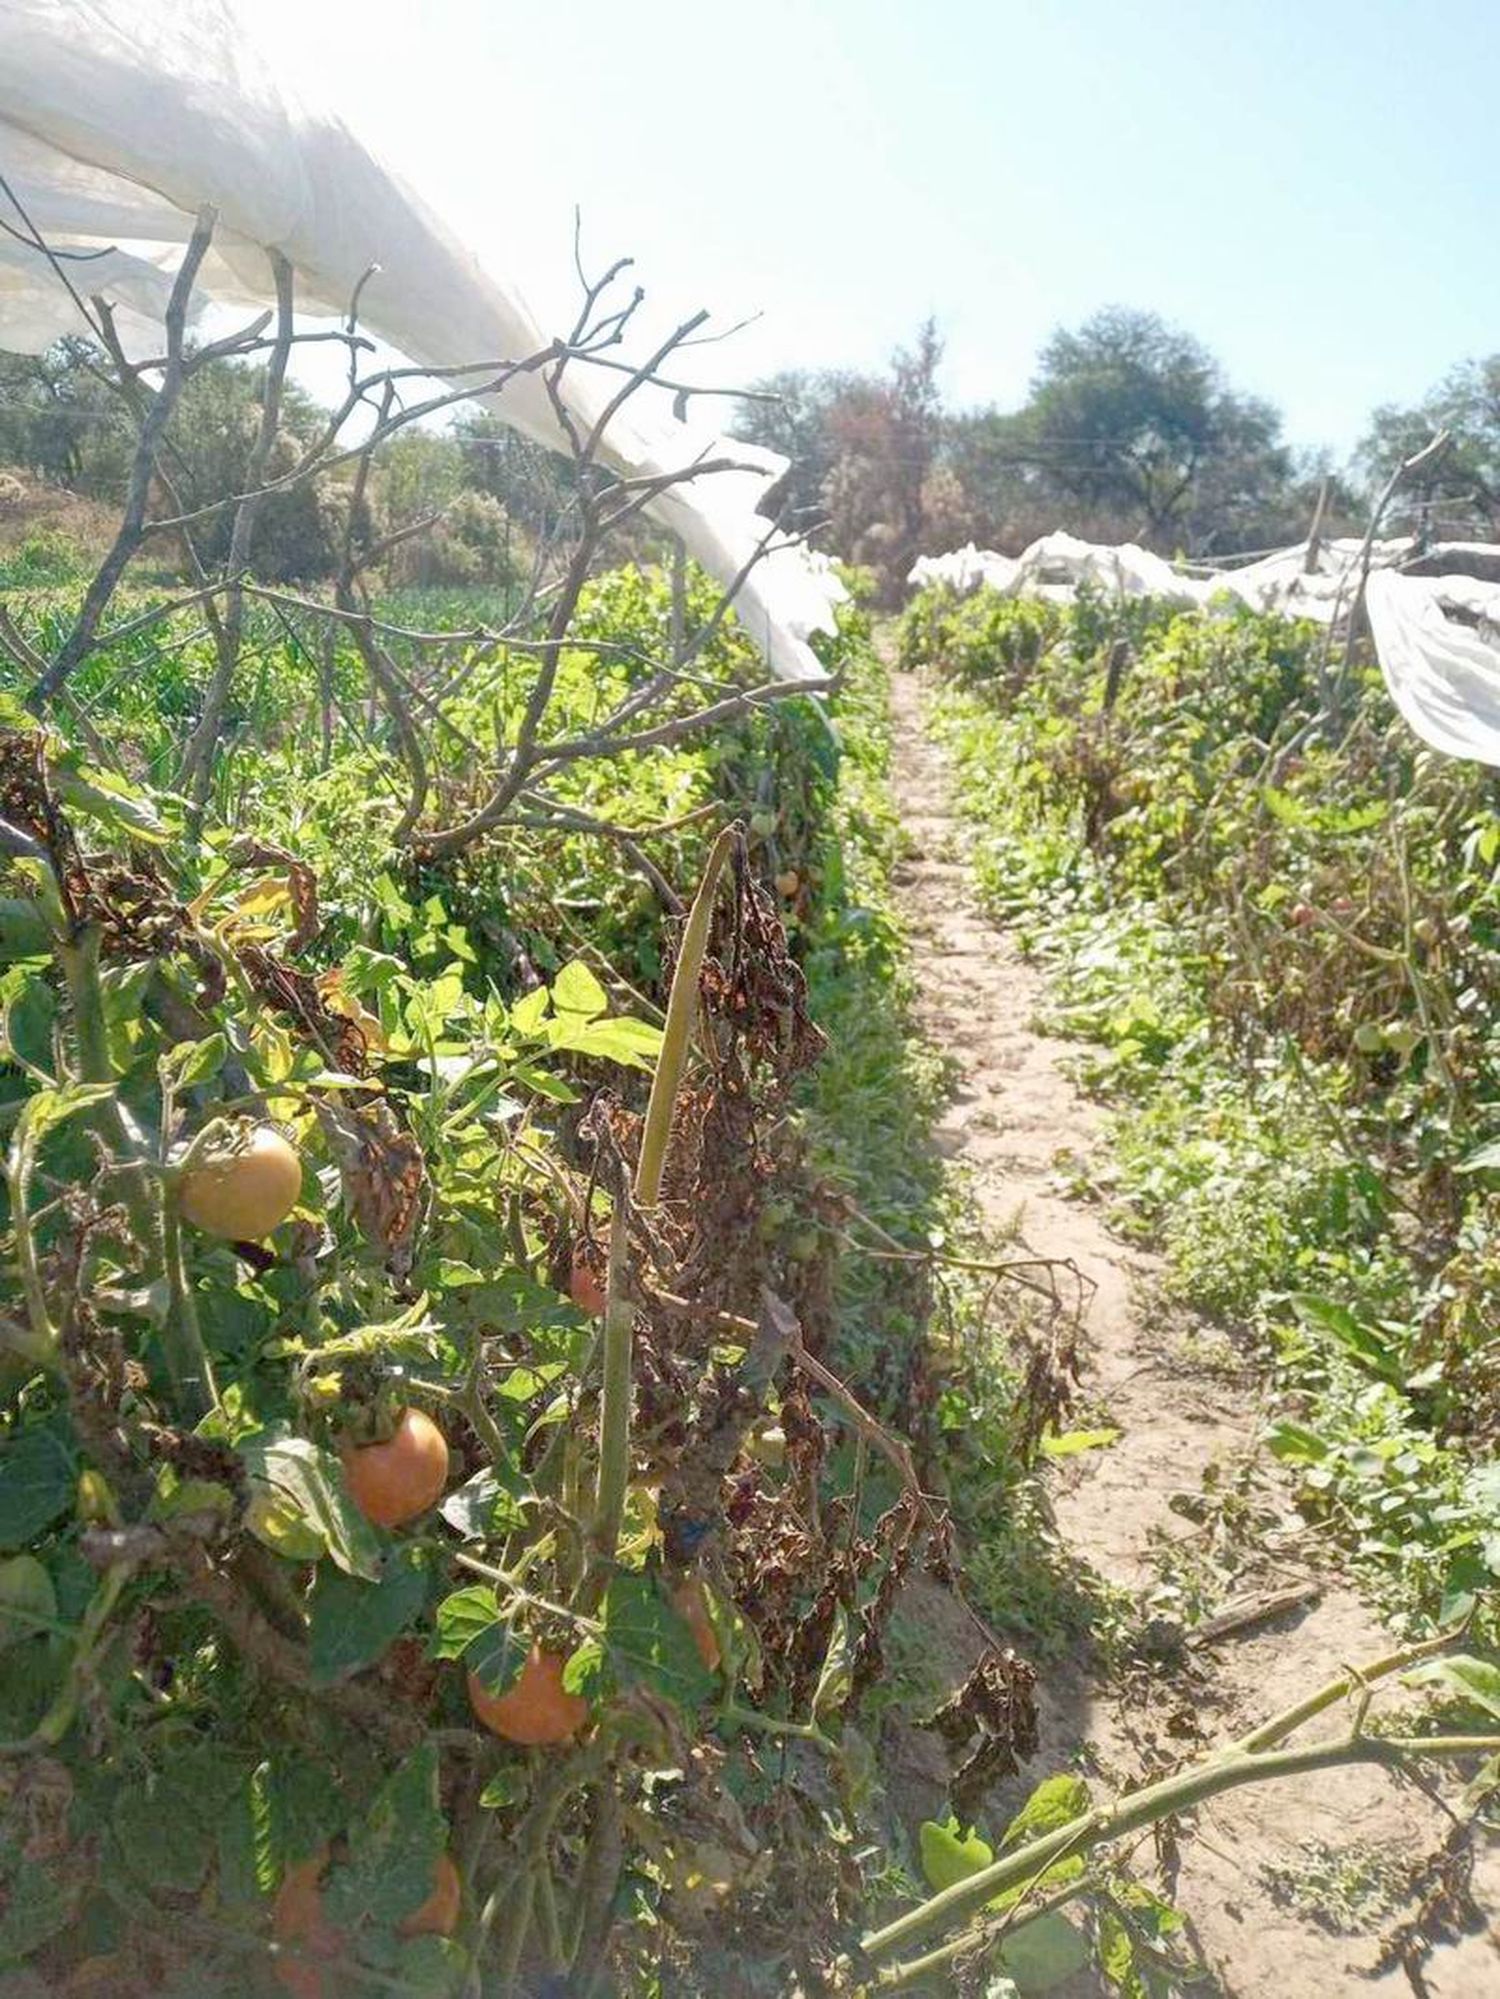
1310,188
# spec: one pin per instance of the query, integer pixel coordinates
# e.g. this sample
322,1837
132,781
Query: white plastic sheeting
1437,637
964,569
1438,640
119,119
1282,581
1059,564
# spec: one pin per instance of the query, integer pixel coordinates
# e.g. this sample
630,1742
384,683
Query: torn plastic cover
1437,637
120,119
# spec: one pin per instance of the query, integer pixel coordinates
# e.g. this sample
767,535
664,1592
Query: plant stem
677,1035
38,1342
988,1937
181,1336
1271,1732
619,1314
770,1724
614,1396
1159,1801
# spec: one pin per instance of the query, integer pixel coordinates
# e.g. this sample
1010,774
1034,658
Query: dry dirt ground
1289,1888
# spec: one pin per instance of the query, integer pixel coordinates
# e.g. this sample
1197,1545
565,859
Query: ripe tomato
393,1482
244,1188
584,1286
297,1920
691,1605
538,1710
438,1915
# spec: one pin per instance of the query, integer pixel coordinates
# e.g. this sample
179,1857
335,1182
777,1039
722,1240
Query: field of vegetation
1276,934
520,1472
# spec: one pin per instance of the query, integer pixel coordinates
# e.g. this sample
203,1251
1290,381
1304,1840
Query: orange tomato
584,1286
691,1605
438,1915
297,1920
537,1711
243,1189
788,882
394,1481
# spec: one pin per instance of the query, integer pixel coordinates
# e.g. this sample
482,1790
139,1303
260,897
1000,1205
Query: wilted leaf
1071,1442
383,1174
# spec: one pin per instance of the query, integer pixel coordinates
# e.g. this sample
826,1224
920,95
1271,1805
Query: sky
1306,185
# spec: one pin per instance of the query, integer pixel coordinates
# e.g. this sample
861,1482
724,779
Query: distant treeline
1129,431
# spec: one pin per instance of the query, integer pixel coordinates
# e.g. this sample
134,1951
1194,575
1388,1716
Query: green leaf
583,1670
193,1062
1041,1954
34,1907
553,1088
23,930
463,1617
950,1855
528,1013
1071,1442
482,1506
309,1481
506,1788
470,1627
353,1622
28,1602
1295,1444
836,1674
37,1475
27,1036
1485,1160
576,990
1363,1345
431,1967
119,806
1476,1680
1055,1802
50,1108
634,1044
393,1855
162,1837
246,1845
647,1644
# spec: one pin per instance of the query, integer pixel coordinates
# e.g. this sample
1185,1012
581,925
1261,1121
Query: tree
1132,419
794,413
59,417
864,450
1459,491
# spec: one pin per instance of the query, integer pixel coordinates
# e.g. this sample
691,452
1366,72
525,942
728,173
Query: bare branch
138,494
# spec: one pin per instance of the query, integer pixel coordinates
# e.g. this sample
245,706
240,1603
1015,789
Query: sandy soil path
1288,1886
